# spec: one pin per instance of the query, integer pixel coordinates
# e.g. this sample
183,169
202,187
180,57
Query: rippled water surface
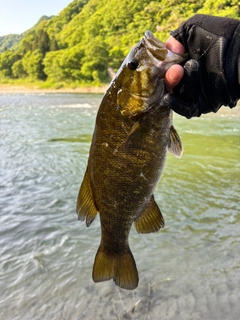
188,271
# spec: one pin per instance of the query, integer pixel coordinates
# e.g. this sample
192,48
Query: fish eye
133,64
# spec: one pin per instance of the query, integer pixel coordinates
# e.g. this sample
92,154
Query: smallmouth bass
132,134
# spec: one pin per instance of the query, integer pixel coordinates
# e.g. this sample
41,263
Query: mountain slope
90,36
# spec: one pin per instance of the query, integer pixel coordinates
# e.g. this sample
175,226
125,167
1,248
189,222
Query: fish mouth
152,39
157,49
155,46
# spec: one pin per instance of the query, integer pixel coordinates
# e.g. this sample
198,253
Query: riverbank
6,88
34,89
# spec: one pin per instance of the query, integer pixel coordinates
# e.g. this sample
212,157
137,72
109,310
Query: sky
17,16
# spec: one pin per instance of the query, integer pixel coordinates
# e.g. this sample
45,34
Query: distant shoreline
6,88
15,89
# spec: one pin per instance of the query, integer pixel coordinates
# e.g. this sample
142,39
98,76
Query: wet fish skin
132,134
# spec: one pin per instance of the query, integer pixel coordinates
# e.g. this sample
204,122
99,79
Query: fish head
140,80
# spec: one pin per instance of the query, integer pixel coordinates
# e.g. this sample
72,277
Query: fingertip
173,76
175,46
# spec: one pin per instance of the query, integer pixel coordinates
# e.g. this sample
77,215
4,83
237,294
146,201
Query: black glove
212,78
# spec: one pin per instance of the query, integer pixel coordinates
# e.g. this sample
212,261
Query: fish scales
132,134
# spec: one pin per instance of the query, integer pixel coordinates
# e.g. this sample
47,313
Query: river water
188,271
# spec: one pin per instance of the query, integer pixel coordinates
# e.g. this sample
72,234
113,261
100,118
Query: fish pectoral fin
175,143
120,267
151,220
86,208
136,137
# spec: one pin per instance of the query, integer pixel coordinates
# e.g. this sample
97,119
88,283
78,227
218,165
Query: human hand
210,78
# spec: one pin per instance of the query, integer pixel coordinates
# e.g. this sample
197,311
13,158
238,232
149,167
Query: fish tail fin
126,274
120,267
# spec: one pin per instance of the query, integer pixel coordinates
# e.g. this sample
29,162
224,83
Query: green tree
224,8
52,66
53,45
64,65
32,64
7,59
71,63
26,43
95,60
18,70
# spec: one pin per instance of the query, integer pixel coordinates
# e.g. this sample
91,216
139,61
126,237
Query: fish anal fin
174,143
120,267
86,208
151,220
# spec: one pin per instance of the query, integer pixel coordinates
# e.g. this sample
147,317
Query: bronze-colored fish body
132,134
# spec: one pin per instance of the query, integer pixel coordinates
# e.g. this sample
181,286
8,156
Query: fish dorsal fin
175,143
151,220
86,208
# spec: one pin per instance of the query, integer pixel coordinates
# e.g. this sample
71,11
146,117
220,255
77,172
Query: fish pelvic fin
174,143
86,208
151,220
120,267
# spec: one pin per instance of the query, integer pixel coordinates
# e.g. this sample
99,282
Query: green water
188,271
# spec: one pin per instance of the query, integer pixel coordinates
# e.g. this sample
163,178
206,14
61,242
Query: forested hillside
89,37
12,41
7,42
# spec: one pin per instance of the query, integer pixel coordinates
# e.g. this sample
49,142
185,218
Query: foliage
90,37
12,41
63,65
32,64
6,42
225,8
7,59
18,70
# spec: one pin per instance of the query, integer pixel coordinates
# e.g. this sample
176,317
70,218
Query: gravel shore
5,88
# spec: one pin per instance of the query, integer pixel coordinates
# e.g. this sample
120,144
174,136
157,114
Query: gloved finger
188,87
186,109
